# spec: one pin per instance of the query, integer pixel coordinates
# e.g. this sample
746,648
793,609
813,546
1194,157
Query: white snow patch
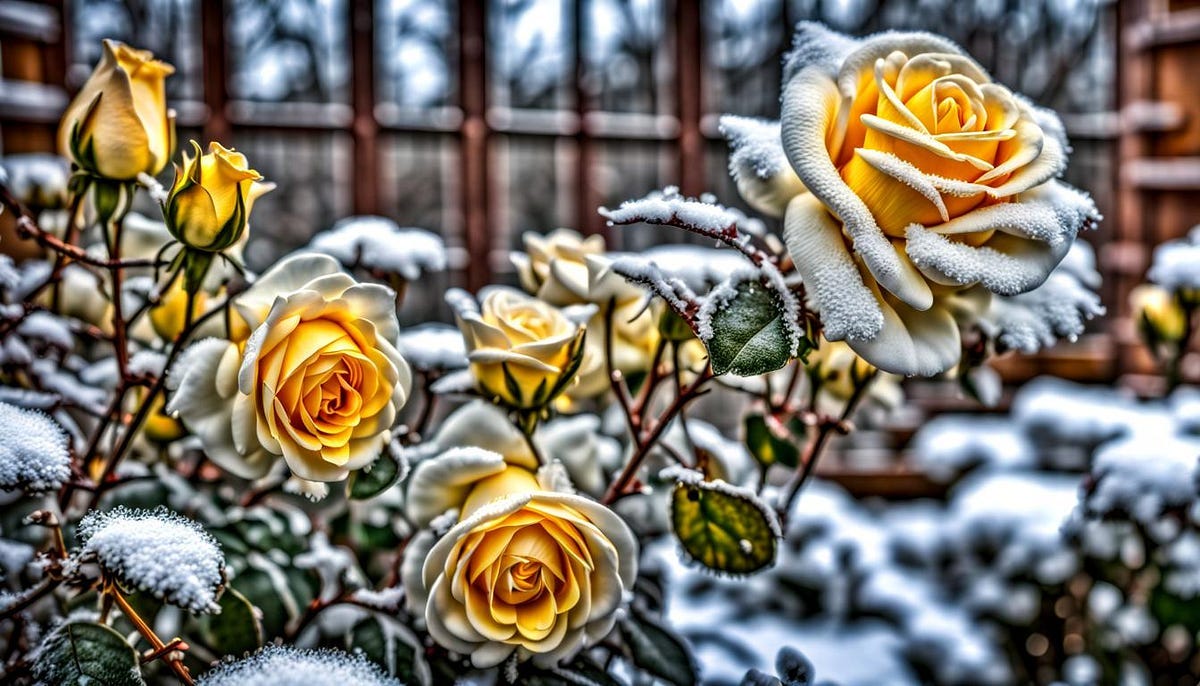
286,665
157,551
433,347
1176,264
34,453
379,243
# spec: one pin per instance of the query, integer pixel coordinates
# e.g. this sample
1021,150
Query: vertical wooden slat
472,27
366,128
587,219
689,60
215,66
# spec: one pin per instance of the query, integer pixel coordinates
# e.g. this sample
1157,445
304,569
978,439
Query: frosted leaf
379,243
334,564
678,295
288,665
10,275
433,347
34,451
48,328
670,208
1006,265
387,599
158,552
1176,264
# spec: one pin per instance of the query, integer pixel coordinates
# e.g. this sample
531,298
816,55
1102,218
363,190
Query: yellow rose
563,268
920,179
160,427
1158,313
318,382
528,567
118,125
522,351
210,201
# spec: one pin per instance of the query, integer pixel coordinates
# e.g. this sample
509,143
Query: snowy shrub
34,453
283,665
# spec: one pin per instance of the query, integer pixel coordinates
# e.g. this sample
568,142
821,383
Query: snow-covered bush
599,477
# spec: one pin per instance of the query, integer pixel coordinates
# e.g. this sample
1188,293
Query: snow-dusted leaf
280,665
393,646
723,527
746,329
379,476
85,653
156,551
657,650
33,451
237,629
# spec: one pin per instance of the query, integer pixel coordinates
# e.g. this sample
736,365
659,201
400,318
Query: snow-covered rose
920,178
527,568
521,350
319,380
563,268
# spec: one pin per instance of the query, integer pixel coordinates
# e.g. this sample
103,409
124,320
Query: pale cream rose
118,125
318,382
521,350
919,178
563,268
529,568
1158,313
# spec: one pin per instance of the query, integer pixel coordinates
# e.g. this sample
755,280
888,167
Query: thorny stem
144,629
43,588
122,446
620,486
614,375
826,428
729,235
120,332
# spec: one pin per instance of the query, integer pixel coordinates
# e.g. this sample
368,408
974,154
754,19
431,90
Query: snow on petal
810,103
1006,264
158,552
848,308
759,165
911,342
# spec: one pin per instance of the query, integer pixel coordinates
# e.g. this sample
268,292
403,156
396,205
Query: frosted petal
848,309
912,342
809,105
441,483
1005,265
758,164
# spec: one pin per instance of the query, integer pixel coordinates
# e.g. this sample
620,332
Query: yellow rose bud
522,351
838,368
527,570
160,427
210,201
170,315
1158,313
118,125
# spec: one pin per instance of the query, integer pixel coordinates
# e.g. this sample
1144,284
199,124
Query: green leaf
385,472
723,527
78,653
236,629
767,447
749,335
392,646
658,651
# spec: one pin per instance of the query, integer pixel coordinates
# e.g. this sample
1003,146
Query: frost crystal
158,552
669,207
34,454
1055,310
379,243
287,665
